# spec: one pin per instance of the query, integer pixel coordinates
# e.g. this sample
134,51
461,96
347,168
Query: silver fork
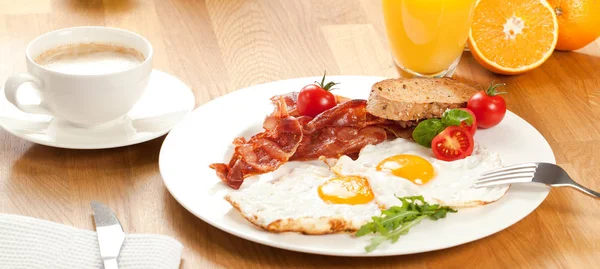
546,173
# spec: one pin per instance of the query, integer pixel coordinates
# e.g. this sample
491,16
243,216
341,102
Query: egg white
451,185
292,203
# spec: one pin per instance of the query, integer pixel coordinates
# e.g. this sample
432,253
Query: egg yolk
411,167
346,190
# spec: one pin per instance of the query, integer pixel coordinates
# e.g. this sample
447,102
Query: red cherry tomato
312,100
473,127
315,98
489,107
454,143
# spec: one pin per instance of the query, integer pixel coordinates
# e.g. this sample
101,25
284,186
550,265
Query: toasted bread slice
408,99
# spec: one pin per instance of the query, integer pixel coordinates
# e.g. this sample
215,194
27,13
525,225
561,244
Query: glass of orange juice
427,37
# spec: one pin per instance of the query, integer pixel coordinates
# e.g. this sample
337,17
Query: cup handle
12,86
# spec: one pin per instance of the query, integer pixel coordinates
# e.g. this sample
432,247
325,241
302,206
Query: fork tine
512,167
504,177
510,180
508,172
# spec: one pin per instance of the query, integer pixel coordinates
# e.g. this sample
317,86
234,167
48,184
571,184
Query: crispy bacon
290,100
265,151
398,131
333,142
352,113
342,130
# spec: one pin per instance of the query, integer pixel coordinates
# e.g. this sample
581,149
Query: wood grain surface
218,46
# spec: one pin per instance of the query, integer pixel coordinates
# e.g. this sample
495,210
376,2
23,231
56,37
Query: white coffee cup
84,100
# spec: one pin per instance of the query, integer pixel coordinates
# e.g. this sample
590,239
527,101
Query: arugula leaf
365,229
375,242
454,117
397,220
427,130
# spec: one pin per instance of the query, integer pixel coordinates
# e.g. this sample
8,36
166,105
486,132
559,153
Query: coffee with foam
90,59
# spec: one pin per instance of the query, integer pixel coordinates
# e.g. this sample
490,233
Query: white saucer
166,101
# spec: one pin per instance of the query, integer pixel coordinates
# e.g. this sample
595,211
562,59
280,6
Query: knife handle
111,264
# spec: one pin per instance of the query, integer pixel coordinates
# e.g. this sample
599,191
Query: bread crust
410,99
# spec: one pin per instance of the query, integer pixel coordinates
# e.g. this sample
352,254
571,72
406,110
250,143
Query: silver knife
110,234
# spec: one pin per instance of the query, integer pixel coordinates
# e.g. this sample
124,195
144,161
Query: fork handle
585,190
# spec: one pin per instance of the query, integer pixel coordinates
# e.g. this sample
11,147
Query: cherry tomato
489,107
473,127
454,143
313,99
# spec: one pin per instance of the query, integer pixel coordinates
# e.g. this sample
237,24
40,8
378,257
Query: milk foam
90,59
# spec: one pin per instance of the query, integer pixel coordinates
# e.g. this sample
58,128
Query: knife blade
110,234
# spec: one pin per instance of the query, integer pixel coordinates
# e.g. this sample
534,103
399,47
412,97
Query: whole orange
578,22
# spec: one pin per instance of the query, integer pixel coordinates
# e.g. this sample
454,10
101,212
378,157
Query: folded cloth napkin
31,243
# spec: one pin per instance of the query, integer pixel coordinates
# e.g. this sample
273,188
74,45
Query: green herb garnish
397,220
428,129
454,117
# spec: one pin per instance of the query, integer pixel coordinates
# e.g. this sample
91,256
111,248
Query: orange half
513,36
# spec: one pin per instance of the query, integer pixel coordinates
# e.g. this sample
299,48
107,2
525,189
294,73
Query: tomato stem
329,85
492,90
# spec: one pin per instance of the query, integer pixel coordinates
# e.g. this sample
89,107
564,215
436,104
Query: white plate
205,137
166,101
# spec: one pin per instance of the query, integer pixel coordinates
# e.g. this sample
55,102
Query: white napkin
31,243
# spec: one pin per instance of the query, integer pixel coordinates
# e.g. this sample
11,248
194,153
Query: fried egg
310,200
315,199
391,164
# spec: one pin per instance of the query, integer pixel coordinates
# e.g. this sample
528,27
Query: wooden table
219,46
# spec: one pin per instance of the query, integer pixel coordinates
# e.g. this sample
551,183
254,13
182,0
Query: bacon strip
342,130
333,142
265,151
352,113
290,100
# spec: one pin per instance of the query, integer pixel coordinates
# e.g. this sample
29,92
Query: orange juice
427,37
